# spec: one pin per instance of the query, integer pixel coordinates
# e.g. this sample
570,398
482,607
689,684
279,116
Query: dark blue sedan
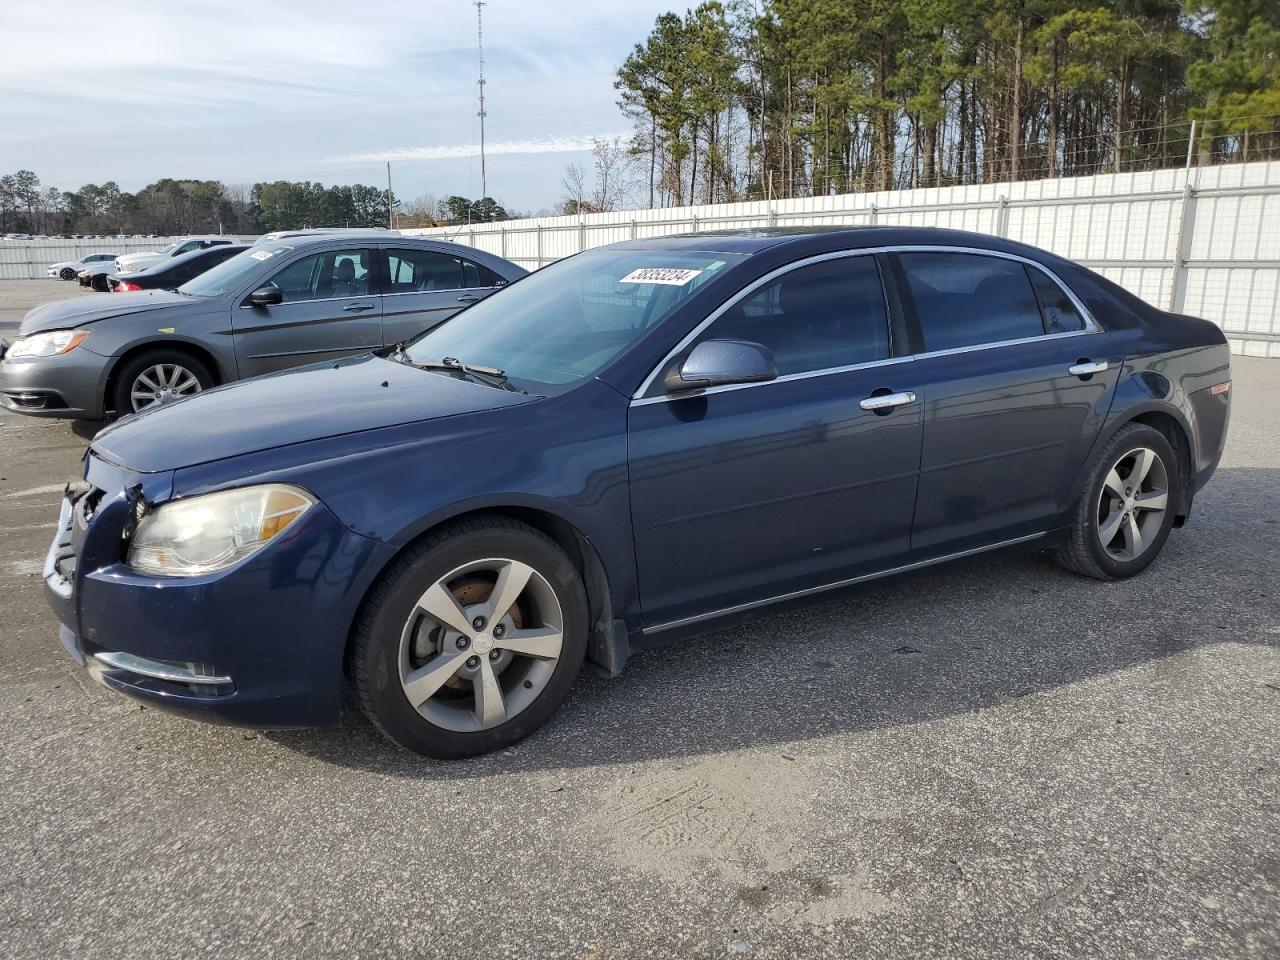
639,442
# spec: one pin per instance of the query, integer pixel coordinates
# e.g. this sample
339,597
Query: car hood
295,406
77,311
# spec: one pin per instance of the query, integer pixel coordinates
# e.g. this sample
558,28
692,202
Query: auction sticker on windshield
669,276
261,254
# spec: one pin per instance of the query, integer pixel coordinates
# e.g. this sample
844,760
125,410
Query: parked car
304,300
171,273
95,276
140,261
68,269
269,238
633,444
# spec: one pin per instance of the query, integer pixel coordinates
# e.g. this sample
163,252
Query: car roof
754,240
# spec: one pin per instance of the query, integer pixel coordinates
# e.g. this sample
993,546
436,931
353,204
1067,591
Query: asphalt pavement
996,759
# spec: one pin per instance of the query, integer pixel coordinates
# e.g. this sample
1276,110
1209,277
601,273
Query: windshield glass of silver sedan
220,280
564,323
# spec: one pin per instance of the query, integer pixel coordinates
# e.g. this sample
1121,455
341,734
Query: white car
71,268
134,262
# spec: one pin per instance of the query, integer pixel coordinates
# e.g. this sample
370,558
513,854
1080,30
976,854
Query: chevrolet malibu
634,444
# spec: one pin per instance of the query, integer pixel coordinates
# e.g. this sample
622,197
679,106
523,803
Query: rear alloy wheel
472,640
154,379
1123,517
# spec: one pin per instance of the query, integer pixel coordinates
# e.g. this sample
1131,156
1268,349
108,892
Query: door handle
470,297
1087,368
888,401
354,307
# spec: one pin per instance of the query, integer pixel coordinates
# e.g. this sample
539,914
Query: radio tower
484,188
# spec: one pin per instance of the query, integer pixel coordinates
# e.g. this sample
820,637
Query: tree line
757,98
171,207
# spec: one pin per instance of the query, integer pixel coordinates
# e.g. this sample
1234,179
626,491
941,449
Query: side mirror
715,363
266,296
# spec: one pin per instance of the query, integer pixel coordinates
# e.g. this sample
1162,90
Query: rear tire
1125,512
440,670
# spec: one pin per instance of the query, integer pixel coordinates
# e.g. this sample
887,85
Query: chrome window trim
1091,324
298,303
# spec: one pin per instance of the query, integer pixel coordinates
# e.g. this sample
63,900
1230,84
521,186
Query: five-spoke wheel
472,638
1124,514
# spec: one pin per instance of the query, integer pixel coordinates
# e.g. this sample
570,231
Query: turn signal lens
200,535
1219,388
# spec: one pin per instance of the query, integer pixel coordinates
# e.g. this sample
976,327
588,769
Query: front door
424,288
1008,423
328,312
744,493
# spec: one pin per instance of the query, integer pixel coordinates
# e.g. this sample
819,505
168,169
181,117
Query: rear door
423,288
1008,423
328,312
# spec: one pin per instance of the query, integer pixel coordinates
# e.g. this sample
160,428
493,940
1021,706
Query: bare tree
575,198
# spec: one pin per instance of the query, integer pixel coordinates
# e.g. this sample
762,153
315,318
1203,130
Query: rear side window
423,271
1060,314
965,299
827,314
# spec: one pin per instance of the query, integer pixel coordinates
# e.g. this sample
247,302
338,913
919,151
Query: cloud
462,150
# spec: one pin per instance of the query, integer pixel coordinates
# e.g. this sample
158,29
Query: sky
250,90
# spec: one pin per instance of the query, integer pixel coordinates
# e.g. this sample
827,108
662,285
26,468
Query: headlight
199,535
47,344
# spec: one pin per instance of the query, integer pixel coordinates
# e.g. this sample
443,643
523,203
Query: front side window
966,299
424,271
325,276
824,315
563,323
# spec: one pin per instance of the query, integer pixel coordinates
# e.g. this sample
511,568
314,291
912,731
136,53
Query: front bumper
72,385
258,645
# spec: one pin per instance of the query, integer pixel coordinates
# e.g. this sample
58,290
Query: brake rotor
469,591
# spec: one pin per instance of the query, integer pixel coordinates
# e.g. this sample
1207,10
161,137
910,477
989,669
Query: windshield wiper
491,376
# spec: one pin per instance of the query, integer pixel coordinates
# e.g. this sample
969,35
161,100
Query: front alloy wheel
471,639
162,383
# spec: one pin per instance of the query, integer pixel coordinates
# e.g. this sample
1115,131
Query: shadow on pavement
971,636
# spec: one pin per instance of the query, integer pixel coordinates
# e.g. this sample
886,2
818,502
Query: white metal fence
1204,241
30,259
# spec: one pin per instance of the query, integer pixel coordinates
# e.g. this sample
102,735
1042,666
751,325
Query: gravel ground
997,759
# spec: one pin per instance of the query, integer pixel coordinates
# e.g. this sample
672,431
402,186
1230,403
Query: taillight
124,286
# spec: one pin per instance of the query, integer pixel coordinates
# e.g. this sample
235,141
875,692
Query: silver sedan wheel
1132,504
162,383
480,645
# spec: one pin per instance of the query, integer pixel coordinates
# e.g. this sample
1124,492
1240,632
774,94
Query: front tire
472,639
1124,515
157,377
66,273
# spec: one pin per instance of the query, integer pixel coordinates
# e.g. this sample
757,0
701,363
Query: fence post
875,211
582,234
695,223
633,229
538,231
502,240
773,217
1002,218
1186,232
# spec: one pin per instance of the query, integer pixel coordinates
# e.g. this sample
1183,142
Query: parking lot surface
995,759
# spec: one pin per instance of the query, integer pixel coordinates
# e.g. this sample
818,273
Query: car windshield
171,247
230,273
563,323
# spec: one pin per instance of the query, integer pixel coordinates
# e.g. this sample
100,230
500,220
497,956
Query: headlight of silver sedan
48,344
200,535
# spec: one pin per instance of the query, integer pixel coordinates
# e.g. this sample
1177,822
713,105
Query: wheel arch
607,646
192,349
1179,436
